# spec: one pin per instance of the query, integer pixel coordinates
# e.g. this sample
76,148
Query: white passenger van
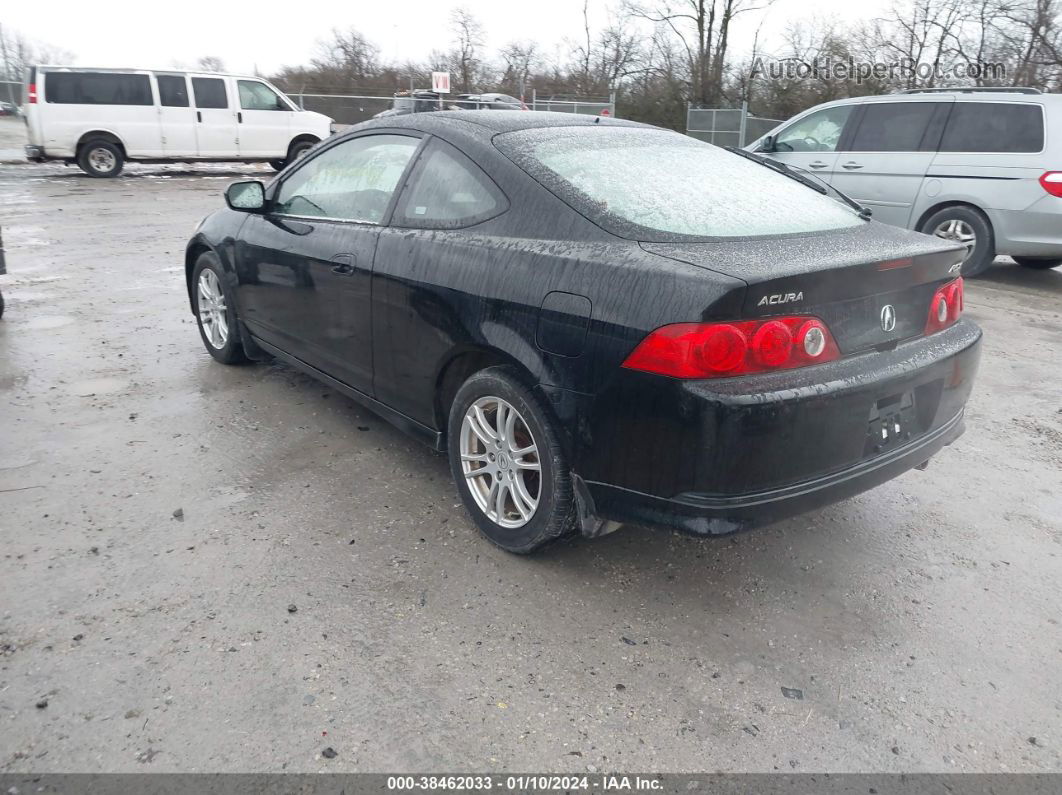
101,118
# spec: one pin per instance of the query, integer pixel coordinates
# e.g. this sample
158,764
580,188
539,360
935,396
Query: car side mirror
247,196
768,144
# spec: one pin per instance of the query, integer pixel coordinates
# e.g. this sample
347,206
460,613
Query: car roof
498,121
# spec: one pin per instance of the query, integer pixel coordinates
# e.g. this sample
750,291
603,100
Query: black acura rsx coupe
601,322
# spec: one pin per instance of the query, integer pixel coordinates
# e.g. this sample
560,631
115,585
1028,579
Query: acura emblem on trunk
888,318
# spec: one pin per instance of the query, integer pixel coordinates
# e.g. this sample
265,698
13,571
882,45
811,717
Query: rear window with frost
656,185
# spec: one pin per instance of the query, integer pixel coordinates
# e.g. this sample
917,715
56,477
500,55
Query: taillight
718,350
31,94
1052,182
945,307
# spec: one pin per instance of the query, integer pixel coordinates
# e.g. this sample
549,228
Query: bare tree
469,40
519,61
210,63
703,29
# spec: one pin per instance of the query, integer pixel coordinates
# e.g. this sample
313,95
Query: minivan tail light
718,350
946,306
31,94
1052,182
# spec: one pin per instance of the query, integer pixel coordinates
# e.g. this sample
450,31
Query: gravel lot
232,569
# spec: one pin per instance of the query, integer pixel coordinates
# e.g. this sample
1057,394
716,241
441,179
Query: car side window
259,96
818,132
173,91
894,127
209,92
994,127
351,181
447,191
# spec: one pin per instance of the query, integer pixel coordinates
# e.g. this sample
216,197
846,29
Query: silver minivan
976,165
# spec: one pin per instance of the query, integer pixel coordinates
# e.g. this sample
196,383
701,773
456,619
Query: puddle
49,321
97,386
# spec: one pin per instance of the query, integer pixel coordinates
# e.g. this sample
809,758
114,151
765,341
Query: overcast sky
268,35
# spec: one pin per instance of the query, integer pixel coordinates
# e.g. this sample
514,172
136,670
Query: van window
173,91
894,127
209,92
817,132
447,191
259,96
97,88
994,127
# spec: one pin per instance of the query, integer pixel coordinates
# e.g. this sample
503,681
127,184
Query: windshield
656,185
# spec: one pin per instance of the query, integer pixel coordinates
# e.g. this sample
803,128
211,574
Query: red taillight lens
715,350
31,94
946,306
1052,182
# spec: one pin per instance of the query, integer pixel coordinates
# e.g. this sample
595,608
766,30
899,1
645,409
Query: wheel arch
300,138
106,135
943,205
464,362
195,249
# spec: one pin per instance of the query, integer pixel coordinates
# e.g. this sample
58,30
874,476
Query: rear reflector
946,306
716,350
1052,182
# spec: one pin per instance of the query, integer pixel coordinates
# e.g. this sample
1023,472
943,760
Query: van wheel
508,463
297,150
970,227
101,158
278,165
1037,263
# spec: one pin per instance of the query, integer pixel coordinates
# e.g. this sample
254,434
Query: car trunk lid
872,285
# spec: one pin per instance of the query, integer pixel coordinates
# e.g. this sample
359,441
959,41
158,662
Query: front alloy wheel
213,312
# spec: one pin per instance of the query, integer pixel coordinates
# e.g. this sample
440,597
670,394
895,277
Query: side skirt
433,438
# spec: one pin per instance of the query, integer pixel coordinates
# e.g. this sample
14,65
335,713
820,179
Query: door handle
343,264
239,117
851,166
199,115
817,164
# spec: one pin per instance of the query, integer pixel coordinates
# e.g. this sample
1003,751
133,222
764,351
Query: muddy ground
208,568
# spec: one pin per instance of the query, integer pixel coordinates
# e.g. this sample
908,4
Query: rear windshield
656,185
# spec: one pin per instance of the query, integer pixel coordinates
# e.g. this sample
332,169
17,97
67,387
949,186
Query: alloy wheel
500,462
212,309
960,232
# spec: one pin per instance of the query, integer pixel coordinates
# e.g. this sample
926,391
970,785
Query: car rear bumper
713,457
1031,232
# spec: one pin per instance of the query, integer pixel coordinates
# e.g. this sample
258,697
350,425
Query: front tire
215,311
969,226
506,458
1038,263
101,158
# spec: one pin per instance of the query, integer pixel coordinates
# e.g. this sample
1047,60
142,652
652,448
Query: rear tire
1037,263
537,503
278,165
215,311
99,157
958,223
297,150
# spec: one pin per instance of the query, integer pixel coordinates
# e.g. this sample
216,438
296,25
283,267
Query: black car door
305,266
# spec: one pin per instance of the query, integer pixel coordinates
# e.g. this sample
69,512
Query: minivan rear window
994,127
97,88
658,186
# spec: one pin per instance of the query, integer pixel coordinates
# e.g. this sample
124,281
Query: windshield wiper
812,181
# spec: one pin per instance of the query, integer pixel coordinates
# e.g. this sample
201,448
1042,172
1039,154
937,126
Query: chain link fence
727,126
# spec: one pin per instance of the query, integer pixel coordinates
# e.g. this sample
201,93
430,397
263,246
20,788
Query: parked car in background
418,101
601,321
979,166
488,102
8,109
102,118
